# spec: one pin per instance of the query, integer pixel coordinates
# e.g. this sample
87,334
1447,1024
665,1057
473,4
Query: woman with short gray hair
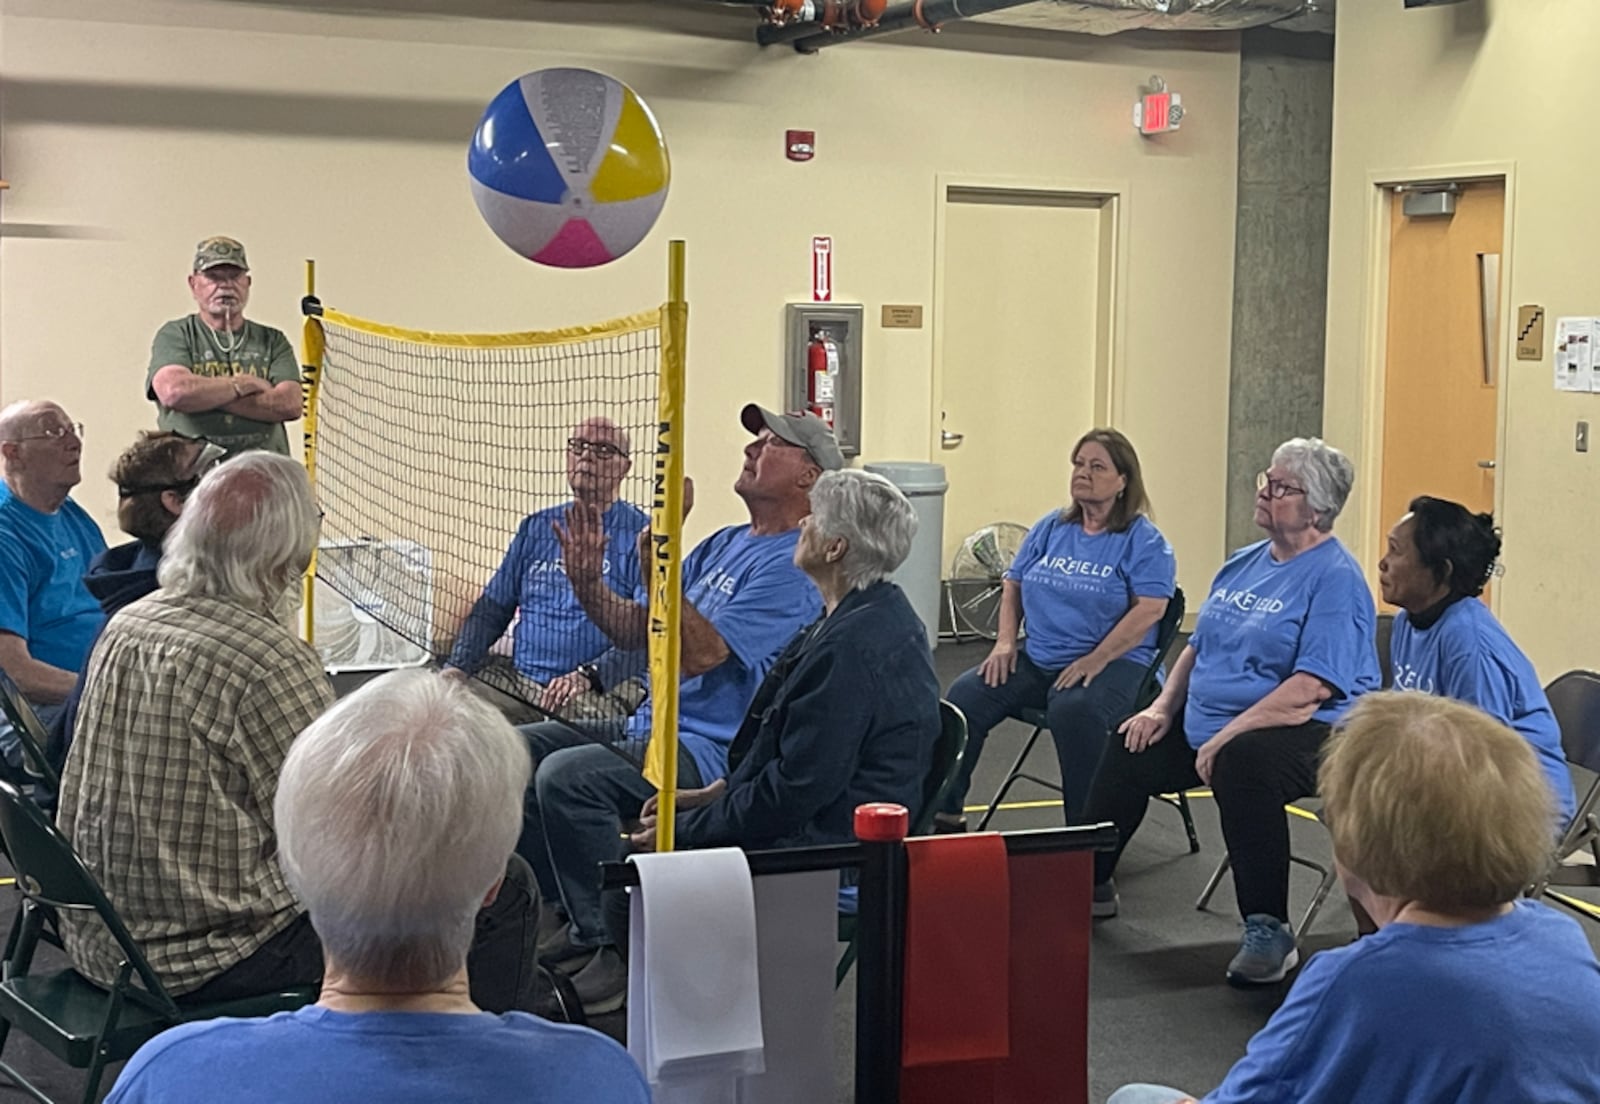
849,712
396,814
1283,646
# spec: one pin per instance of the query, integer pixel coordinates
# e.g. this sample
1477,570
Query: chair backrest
50,873
1575,698
947,752
31,734
1166,633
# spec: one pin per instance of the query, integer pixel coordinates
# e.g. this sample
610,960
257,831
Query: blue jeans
1147,1094
584,788
1079,719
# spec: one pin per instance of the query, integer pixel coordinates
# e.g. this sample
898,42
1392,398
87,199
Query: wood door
1019,330
1441,409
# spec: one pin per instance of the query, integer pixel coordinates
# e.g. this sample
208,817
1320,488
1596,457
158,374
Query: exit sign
1158,112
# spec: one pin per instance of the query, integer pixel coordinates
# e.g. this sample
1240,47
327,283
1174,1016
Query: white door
1019,322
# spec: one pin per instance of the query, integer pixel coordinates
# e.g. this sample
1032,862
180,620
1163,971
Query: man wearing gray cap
743,601
217,376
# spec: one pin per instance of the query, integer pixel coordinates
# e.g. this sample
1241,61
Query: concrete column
1280,256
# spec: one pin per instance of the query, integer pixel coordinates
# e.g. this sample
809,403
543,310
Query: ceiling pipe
927,14
824,16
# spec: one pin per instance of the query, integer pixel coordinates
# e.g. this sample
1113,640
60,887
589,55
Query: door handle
1487,465
950,440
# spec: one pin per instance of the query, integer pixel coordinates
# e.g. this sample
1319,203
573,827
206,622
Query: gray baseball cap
801,428
214,252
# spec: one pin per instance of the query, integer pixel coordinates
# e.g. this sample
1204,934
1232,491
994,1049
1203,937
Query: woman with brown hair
1091,581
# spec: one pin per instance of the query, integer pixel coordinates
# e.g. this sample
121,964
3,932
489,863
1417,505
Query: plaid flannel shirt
188,711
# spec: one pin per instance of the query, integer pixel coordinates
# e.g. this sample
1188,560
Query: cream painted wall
130,131
1493,85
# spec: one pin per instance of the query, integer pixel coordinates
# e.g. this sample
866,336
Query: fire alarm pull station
824,367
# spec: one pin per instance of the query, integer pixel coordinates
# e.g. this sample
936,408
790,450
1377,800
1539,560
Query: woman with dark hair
1440,556
1092,581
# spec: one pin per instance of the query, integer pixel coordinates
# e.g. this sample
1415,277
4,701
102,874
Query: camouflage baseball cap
219,251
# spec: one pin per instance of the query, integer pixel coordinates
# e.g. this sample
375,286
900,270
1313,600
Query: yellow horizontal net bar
569,335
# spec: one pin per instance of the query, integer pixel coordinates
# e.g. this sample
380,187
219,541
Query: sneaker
1105,900
1266,953
602,984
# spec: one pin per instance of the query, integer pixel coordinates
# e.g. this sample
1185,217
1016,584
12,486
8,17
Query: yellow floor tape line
1587,907
1009,806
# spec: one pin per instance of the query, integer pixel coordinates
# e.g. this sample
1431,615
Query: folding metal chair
80,1022
1575,699
1166,635
1325,873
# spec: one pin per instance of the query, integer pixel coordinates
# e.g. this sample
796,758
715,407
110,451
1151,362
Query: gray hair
873,518
1326,473
396,812
246,533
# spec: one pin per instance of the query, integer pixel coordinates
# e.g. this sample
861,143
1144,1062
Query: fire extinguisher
822,372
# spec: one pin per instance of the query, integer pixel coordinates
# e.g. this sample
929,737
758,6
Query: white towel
694,1000
797,930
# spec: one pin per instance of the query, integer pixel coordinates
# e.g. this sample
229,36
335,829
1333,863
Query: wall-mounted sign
902,316
821,269
1530,333
800,145
1158,110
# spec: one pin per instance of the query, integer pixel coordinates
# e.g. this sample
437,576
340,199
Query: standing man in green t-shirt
215,375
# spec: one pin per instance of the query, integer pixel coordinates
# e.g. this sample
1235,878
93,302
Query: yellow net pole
311,379
666,561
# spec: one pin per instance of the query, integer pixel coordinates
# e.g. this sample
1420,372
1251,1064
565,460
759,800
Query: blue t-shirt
1467,655
553,634
1076,586
383,1057
43,558
756,599
1264,621
1502,1012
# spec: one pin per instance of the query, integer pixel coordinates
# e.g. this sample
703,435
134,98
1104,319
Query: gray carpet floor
1159,1008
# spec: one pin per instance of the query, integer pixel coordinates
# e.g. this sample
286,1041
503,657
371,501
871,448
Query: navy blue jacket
117,577
849,713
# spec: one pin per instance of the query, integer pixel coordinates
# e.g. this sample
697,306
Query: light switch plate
1580,439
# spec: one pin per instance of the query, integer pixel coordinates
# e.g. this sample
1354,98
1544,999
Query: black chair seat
64,1012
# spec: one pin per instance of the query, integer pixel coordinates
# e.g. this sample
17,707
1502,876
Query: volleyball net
444,464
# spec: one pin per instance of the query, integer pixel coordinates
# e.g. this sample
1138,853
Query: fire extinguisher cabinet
823,366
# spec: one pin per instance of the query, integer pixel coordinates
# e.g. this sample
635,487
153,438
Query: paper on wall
1574,354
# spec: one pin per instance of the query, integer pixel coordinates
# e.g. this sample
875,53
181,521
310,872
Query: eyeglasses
222,274
1276,488
55,433
600,450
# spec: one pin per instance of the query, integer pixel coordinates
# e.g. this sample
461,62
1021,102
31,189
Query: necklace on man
235,342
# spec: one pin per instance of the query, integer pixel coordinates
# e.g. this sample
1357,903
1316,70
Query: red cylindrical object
882,822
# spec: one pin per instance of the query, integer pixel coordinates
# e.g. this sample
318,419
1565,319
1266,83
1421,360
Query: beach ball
568,167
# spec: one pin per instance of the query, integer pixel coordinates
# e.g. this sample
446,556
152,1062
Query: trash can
921,576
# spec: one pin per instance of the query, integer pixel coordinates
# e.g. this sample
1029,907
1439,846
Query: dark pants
1078,718
584,792
1255,775
501,964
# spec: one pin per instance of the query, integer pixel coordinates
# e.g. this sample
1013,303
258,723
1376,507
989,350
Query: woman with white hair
849,712
1467,994
1283,646
396,812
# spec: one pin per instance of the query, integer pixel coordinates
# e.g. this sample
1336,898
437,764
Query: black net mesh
433,454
